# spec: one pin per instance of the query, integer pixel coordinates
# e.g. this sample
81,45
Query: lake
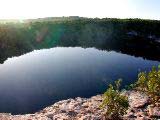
40,78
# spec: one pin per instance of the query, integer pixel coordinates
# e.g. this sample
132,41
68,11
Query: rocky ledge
88,109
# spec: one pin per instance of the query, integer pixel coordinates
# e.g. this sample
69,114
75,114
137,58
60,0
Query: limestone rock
88,109
137,100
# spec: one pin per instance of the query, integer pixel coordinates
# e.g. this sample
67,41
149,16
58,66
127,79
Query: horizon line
49,17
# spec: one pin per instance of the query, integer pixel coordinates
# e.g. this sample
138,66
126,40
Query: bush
149,82
116,103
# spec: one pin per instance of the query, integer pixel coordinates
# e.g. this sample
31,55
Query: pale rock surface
88,109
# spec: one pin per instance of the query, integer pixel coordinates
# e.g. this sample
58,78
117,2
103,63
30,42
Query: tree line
132,36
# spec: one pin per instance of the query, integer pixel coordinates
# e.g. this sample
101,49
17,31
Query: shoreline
88,109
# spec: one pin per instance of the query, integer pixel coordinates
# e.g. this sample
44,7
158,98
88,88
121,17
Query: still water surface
32,81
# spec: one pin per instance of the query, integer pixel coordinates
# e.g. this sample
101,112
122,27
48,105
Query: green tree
149,82
116,104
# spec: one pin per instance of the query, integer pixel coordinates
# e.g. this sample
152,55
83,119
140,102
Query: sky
29,9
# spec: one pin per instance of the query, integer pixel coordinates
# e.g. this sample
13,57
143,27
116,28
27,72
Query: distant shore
88,109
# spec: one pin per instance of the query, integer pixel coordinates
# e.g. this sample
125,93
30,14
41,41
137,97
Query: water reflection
40,78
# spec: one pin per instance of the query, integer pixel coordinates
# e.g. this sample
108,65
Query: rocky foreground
88,109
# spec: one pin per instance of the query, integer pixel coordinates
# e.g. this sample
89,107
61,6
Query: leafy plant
116,103
149,82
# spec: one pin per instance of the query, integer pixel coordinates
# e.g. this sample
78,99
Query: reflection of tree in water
106,34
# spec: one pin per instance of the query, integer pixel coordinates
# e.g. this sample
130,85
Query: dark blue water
37,79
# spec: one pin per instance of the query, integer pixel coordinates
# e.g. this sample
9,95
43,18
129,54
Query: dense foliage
116,103
132,36
149,83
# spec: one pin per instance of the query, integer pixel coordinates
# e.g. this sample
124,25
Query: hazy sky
22,9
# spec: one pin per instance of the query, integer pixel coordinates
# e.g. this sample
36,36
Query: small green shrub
116,103
149,82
